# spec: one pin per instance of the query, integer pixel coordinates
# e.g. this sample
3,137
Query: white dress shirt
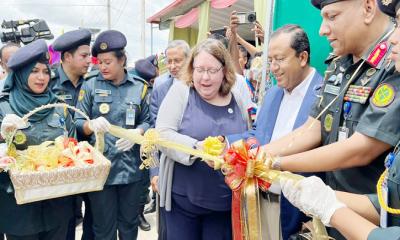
290,106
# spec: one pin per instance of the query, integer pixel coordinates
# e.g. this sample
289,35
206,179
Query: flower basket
32,186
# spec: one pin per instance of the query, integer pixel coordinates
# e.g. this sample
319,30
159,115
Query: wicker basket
60,182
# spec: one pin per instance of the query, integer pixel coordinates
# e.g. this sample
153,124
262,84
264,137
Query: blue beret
389,7
34,51
153,59
145,69
322,3
72,39
108,41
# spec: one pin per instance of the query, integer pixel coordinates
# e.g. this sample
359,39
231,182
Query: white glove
99,124
10,123
313,197
124,144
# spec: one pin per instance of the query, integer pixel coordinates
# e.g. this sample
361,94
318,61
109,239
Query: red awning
188,19
219,4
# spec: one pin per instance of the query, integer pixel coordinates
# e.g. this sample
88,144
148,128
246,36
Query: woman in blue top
196,199
357,216
26,88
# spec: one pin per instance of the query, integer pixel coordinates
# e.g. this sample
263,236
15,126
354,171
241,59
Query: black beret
145,69
389,7
108,41
72,39
322,3
34,51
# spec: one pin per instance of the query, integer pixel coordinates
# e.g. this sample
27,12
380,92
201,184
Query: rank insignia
358,94
383,95
103,46
377,54
81,95
386,2
328,122
104,108
19,138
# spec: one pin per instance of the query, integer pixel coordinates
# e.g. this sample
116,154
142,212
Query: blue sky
68,15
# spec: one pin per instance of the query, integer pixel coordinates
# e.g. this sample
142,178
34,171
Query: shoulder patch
383,95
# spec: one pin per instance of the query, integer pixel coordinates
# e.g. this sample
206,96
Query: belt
272,197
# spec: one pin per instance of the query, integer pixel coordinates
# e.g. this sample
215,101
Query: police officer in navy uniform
66,84
353,119
114,97
26,89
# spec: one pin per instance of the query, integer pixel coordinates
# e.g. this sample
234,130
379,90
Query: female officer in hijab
26,89
113,96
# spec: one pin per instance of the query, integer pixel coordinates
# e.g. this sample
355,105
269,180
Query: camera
246,17
36,28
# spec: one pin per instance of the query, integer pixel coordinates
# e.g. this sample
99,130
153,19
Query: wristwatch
276,163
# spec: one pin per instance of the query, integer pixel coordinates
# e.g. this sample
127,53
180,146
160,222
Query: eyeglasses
278,61
210,71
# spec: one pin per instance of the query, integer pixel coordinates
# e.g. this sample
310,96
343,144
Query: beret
389,7
322,3
72,39
145,69
108,41
29,53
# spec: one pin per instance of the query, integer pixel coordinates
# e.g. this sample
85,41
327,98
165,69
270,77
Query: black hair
121,54
71,51
299,41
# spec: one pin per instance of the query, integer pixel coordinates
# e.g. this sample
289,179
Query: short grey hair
183,45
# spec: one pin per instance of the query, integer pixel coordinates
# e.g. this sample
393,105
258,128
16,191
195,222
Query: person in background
147,70
6,51
115,97
26,89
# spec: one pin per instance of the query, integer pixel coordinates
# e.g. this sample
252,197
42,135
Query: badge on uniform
358,94
102,92
65,97
81,95
370,72
328,122
377,54
383,95
104,108
332,89
130,115
344,130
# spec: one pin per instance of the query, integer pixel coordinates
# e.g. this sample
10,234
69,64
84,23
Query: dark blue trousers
186,221
117,208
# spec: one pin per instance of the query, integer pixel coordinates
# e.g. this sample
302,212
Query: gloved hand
99,124
313,197
10,123
123,144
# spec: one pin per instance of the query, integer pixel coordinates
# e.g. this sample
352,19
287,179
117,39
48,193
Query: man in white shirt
285,108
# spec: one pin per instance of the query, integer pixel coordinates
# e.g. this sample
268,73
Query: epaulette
91,74
4,95
377,54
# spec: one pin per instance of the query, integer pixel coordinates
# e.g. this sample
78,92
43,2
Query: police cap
145,69
72,39
34,51
108,41
322,3
389,7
